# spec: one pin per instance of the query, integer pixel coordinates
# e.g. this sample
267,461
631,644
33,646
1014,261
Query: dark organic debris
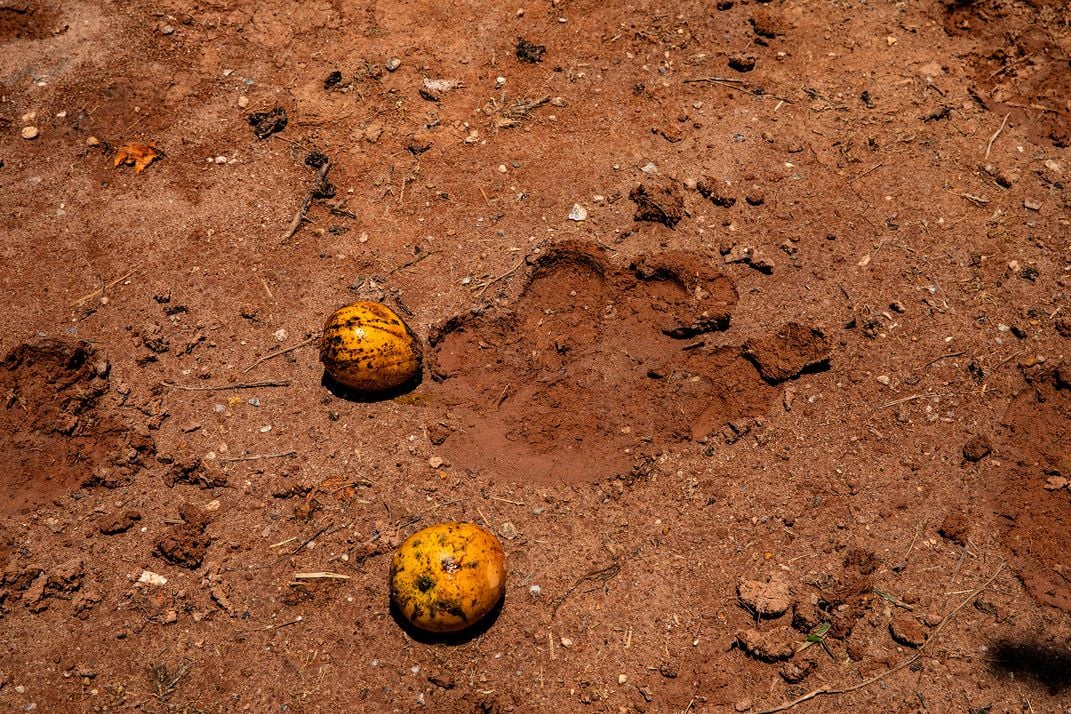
529,51
658,201
267,123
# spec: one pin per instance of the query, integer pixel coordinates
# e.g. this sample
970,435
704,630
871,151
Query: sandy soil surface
746,329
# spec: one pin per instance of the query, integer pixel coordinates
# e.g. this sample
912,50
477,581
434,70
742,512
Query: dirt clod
120,524
907,630
955,527
976,448
765,598
790,352
770,646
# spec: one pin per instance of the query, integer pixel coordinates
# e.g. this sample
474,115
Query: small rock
150,578
392,64
507,530
976,448
650,168
243,102
1032,205
167,30
578,213
883,379
280,335
435,462
770,598
743,705
29,132
908,631
92,141
557,102
769,646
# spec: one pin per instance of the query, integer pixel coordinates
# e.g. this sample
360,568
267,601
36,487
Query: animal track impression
594,368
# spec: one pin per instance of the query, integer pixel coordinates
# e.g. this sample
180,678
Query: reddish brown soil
809,346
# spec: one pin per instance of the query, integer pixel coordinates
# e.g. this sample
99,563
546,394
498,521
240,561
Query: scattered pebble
243,102
29,117
622,678
650,168
280,335
507,530
1032,205
578,213
743,705
884,379
221,159
92,141
30,132
265,429
393,64
435,462
150,578
535,590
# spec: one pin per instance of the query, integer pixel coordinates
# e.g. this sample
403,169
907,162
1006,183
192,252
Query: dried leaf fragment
137,155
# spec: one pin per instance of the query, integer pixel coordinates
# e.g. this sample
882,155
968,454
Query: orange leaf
138,155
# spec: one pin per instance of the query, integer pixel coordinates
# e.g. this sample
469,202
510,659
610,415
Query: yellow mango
446,577
366,346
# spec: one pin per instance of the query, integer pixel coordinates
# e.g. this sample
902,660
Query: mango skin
447,577
367,347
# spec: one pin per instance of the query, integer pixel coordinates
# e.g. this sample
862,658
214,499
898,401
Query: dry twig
989,146
224,387
277,353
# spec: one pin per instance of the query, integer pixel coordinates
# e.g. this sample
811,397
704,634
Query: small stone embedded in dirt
742,62
120,524
529,51
658,201
788,353
30,132
393,64
507,530
976,448
908,631
769,646
743,705
267,123
769,598
578,213
797,670
955,528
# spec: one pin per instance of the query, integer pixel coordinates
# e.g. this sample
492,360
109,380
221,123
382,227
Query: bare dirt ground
747,330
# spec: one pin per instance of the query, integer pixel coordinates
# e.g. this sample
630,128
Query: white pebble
280,335
578,213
